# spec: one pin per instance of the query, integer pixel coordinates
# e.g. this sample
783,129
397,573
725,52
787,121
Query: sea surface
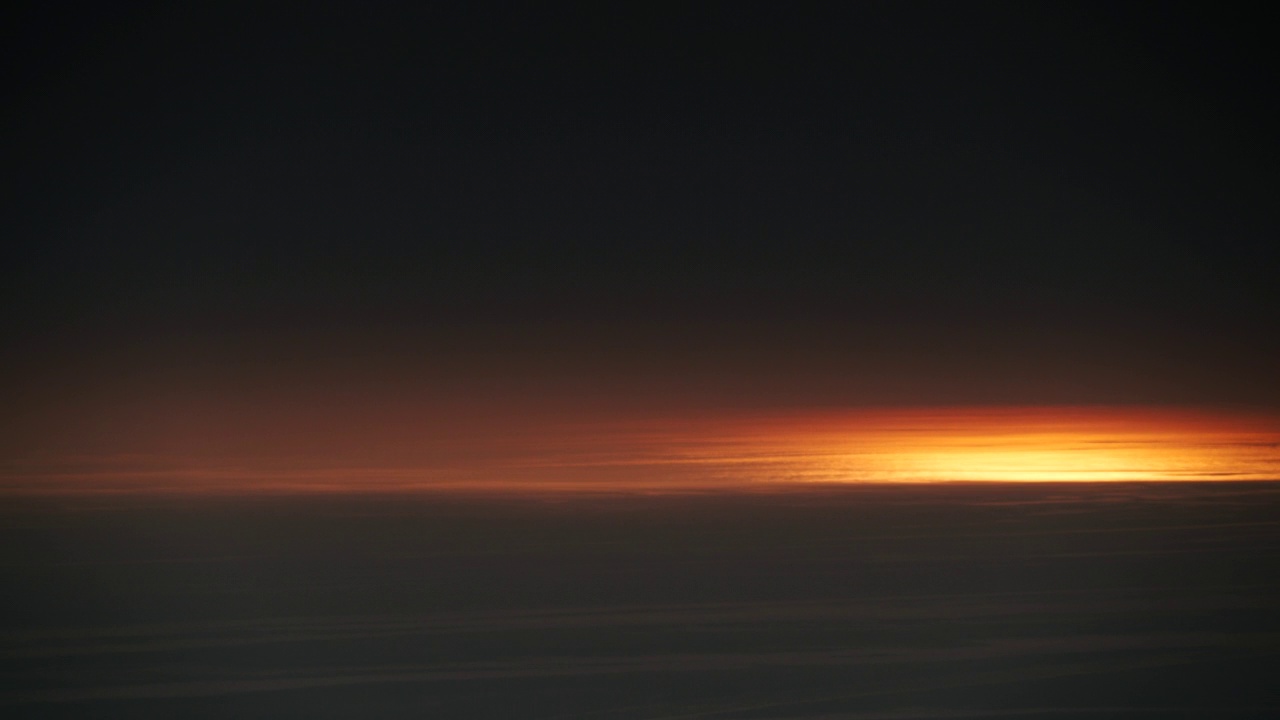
1100,600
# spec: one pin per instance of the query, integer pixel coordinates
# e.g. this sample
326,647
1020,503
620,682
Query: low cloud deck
1011,601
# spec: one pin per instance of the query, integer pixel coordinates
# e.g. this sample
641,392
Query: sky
314,219
272,270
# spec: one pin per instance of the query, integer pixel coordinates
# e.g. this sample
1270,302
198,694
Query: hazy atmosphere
619,360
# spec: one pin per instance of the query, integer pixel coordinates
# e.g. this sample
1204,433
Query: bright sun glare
1040,445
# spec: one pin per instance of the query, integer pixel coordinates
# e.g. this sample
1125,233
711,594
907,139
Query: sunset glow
726,452
1048,444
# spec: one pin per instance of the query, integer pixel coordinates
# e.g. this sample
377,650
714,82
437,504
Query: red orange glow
1033,445
1052,444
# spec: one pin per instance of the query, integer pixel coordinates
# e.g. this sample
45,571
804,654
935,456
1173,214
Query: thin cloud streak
717,453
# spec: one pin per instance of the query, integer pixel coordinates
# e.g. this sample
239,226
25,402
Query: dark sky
884,203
